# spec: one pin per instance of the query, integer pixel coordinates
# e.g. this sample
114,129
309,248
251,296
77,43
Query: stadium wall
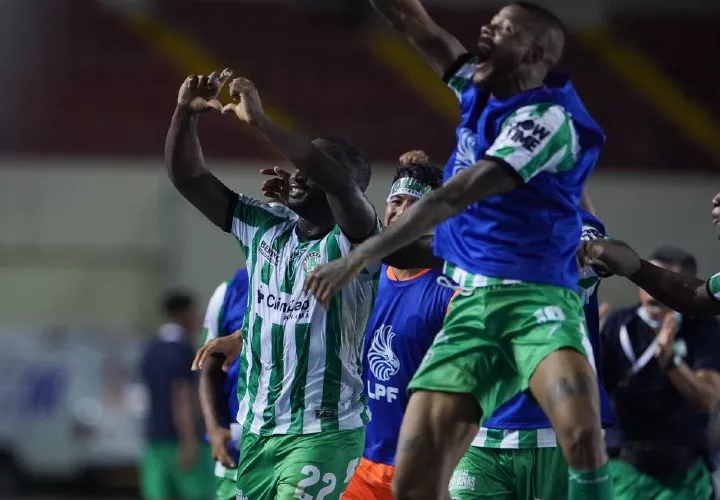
96,241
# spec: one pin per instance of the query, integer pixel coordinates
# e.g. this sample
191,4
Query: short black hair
424,172
552,31
544,14
349,156
177,302
675,256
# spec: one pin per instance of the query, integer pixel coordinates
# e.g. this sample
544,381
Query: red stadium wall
112,93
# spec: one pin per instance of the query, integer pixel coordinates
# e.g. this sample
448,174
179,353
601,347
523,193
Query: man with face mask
663,372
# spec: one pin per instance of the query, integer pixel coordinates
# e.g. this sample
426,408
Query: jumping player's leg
565,385
436,432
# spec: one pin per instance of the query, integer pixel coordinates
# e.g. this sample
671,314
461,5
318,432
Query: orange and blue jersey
406,317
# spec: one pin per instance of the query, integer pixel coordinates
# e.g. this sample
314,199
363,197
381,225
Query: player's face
508,39
715,213
396,206
302,191
656,311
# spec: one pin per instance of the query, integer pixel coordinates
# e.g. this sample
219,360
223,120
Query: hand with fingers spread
246,102
200,93
608,257
415,156
277,188
330,278
229,346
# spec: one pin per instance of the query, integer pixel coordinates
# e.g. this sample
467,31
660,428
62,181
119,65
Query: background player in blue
408,313
515,454
218,389
508,229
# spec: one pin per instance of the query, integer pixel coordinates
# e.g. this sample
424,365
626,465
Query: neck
309,230
405,274
506,86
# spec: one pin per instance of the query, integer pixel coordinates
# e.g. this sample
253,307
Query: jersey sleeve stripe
460,73
213,314
534,140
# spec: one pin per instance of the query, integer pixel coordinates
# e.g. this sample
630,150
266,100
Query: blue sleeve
703,344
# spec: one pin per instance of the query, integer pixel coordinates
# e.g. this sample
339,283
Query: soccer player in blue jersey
515,454
508,226
409,311
218,385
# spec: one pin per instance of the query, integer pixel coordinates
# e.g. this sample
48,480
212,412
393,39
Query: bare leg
566,388
437,430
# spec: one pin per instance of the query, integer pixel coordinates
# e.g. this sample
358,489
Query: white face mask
643,315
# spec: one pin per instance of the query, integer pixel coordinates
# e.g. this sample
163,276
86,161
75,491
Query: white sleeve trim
211,323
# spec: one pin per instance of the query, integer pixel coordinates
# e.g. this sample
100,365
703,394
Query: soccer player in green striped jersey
302,406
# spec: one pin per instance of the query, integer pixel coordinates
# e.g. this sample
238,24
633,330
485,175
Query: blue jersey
406,317
521,412
224,316
546,137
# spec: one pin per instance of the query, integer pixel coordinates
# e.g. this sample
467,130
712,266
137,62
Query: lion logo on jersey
383,362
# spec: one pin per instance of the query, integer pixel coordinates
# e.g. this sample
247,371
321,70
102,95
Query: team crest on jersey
311,261
466,150
383,361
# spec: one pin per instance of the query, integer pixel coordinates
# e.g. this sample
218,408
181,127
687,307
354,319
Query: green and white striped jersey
303,363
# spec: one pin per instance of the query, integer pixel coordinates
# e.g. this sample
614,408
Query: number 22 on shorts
313,477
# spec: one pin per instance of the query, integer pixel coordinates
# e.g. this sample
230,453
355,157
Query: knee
582,443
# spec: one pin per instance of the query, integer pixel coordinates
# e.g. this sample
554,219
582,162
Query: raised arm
681,292
487,178
183,154
439,48
352,210
507,164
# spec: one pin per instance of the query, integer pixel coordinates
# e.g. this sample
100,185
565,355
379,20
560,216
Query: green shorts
493,338
532,473
631,484
225,489
306,466
161,477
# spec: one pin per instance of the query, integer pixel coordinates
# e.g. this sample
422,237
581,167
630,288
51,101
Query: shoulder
532,117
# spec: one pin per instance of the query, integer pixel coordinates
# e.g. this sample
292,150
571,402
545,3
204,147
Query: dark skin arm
212,399
438,47
485,178
701,388
183,154
351,209
683,293
417,255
